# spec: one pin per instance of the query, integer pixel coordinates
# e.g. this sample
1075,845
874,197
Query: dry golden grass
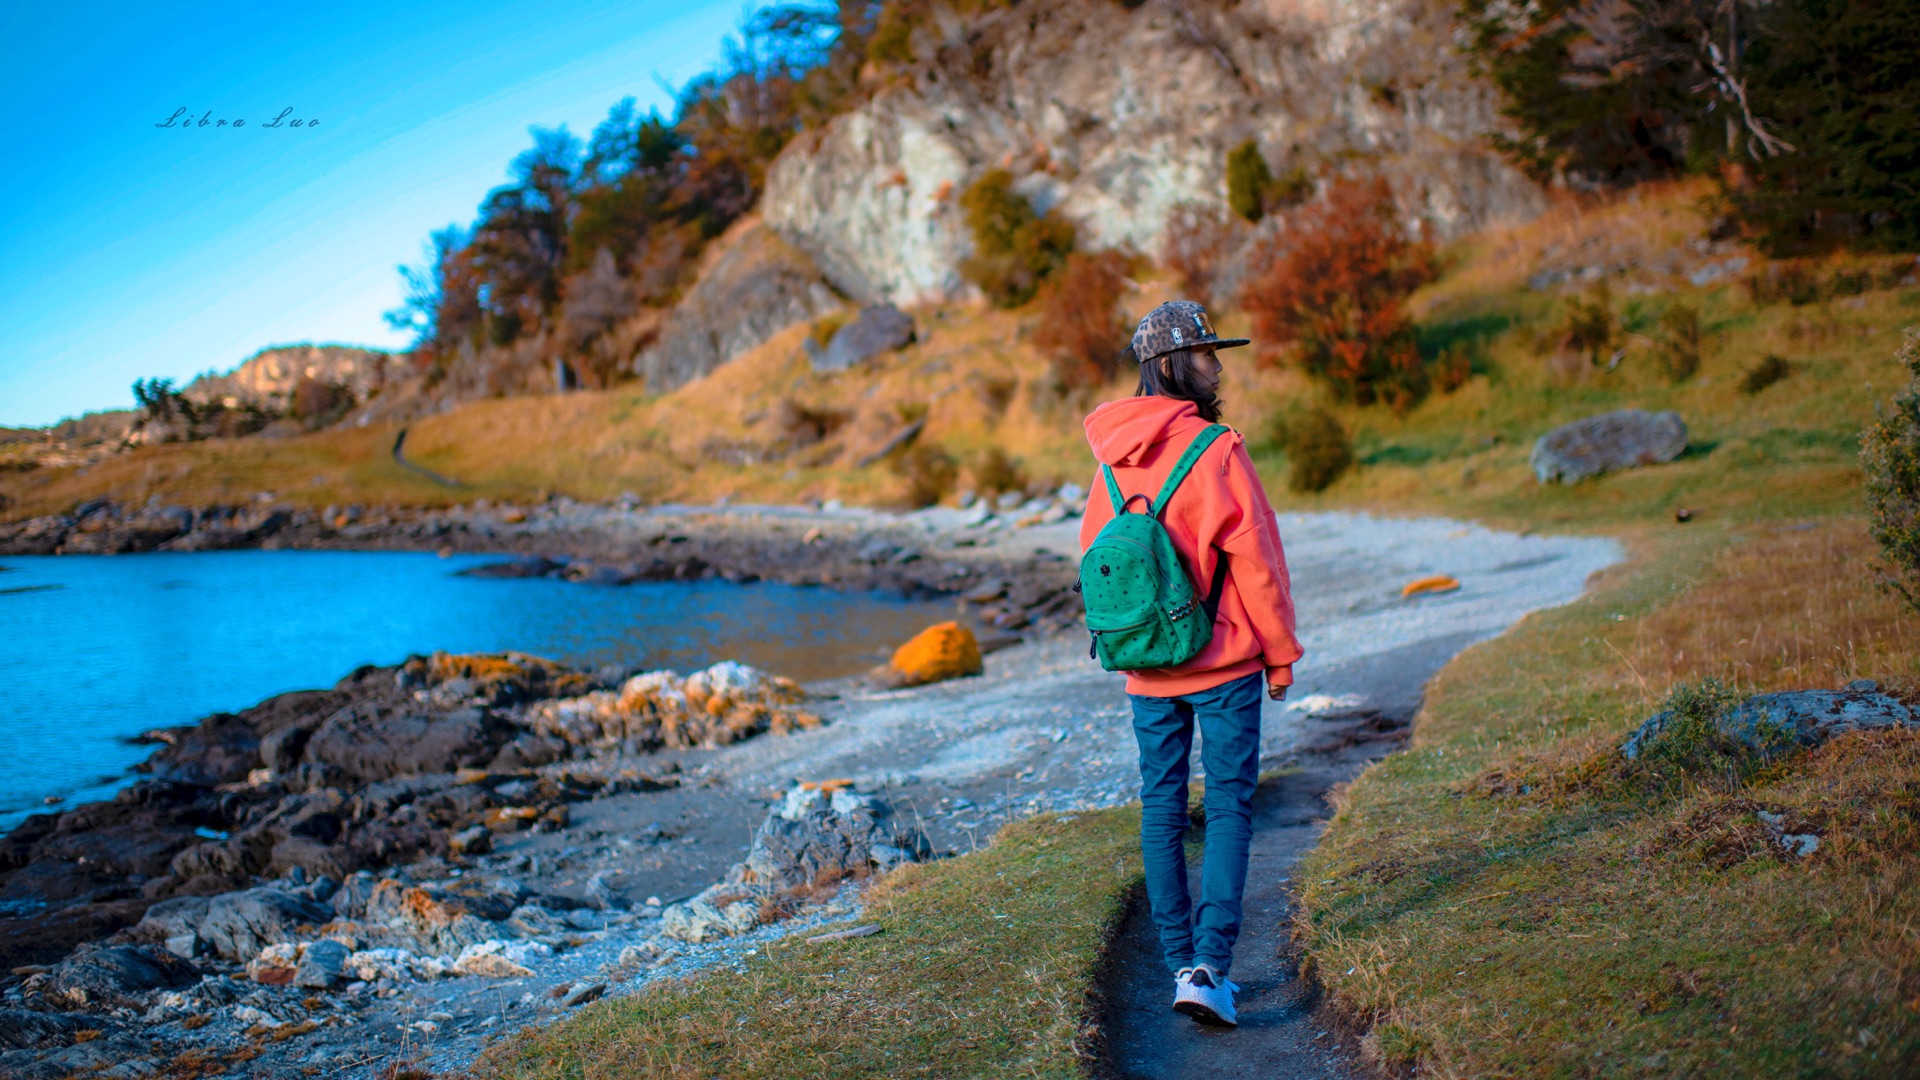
1790,609
1497,906
1640,226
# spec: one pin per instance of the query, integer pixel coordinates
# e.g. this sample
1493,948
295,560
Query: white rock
248,1015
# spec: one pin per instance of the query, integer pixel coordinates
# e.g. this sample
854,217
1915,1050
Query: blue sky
130,250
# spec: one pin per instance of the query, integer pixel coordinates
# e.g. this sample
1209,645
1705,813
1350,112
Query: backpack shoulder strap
1113,490
1185,465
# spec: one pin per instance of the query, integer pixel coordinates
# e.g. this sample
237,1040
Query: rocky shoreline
296,865
930,552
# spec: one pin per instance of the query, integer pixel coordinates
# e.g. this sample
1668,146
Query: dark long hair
1180,382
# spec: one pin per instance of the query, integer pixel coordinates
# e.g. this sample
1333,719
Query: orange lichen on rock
942,651
522,675
721,704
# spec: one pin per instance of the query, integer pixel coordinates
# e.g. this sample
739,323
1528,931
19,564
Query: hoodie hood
1121,432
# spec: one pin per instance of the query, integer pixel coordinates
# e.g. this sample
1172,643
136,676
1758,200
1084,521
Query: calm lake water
94,649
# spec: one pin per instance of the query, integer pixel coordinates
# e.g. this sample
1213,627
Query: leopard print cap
1177,324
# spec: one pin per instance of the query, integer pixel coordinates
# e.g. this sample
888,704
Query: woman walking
1216,515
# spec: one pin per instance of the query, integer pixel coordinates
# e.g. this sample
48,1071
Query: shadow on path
1284,1032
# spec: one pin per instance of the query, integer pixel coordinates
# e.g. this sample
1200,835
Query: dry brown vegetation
1082,331
1792,608
1505,900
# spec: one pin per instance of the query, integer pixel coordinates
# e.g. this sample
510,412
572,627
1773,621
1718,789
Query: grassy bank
982,967
1503,900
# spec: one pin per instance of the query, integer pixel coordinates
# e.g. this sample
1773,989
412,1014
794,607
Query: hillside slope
767,426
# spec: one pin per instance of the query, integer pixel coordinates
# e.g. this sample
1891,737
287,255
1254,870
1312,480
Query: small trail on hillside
1285,1031
400,459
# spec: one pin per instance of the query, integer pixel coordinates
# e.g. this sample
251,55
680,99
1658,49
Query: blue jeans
1229,719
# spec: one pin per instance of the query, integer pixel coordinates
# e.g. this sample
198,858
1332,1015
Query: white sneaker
1206,995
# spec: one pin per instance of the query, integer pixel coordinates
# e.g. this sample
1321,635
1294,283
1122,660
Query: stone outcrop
1116,116
106,976
879,329
314,788
1803,717
238,925
818,836
267,379
718,705
1624,439
753,288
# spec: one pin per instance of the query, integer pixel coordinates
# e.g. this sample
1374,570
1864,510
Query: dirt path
1283,1033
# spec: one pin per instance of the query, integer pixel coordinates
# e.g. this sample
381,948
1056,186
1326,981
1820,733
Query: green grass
983,967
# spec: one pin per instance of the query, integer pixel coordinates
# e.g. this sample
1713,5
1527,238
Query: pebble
583,993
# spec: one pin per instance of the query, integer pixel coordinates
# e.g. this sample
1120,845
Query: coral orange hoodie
1220,510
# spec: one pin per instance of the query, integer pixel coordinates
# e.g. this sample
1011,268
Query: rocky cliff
1115,116
755,286
267,378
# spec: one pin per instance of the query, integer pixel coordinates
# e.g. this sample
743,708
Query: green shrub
1764,374
892,41
1890,456
1248,179
1590,326
995,472
1694,748
1014,249
1317,449
1679,342
929,471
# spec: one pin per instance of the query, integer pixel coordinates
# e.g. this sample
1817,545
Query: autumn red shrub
1333,285
1081,331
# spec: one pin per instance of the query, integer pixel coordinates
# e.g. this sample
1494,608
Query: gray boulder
881,328
812,839
30,1029
323,964
239,924
369,743
102,976
173,918
1625,439
280,750
1811,717
757,286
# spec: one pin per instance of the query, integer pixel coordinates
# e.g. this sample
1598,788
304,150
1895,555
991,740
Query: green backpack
1141,607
